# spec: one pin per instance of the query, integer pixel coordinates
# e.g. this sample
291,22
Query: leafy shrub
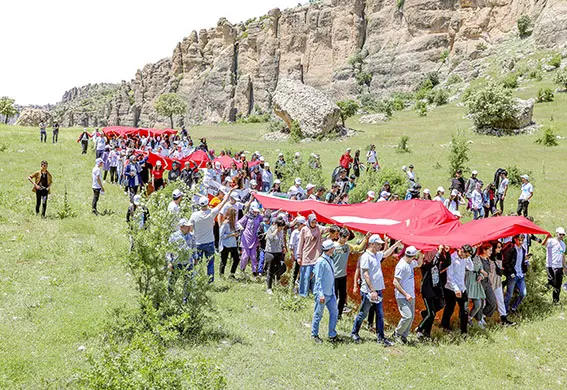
66,211
491,106
481,46
514,173
295,132
348,108
373,181
536,304
307,170
555,61
369,103
402,146
421,108
524,26
545,95
548,138
276,125
398,104
459,153
510,81
433,77
444,55
536,74
454,79
143,363
400,5
561,78
363,78
356,60
438,97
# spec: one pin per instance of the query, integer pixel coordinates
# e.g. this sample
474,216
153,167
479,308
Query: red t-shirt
158,174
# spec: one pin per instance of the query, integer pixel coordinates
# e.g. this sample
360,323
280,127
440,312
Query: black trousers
233,252
274,265
555,279
158,184
113,175
450,301
85,145
43,136
500,202
104,174
428,316
41,200
523,207
296,268
96,196
340,292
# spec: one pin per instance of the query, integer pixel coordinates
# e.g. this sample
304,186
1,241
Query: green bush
459,153
555,61
398,104
66,210
545,95
369,103
373,181
400,5
481,46
356,60
510,81
536,74
402,146
514,173
454,79
438,97
491,106
561,78
303,168
295,132
255,118
348,108
524,26
276,125
548,138
433,77
421,108
363,78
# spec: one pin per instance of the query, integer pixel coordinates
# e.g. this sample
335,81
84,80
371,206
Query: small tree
295,133
348,109
544,95
561,78
7,108
548,138
524,26
459,153
491,106
402,146
170,104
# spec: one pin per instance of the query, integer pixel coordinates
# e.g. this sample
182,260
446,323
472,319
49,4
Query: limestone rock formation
373,118
523,113
345,48
311,108
33,116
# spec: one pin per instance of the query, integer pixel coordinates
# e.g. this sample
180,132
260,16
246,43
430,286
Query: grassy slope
58,278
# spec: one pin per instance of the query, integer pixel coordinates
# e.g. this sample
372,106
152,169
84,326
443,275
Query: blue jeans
265,187
208,250
306,279
363,313
261,261
478,213
331,303
519,283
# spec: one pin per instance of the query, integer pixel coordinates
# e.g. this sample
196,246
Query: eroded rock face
311,108
228,70
32,117
523,113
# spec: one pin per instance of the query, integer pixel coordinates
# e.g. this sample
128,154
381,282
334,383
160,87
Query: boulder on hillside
521,121
315,112
32,117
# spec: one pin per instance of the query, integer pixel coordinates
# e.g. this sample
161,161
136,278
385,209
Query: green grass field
60,277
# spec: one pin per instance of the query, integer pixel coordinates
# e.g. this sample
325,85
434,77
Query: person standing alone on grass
502,190
555,262
404,283
97,184
42,132
55,132
525,196
41,181
372,287
324,291
84,140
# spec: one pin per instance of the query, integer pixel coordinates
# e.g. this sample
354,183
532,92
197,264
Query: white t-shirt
237,206
96,176
372,263
203,222
527,190
404,272
100,143
555,253
371,156
173,207
502,186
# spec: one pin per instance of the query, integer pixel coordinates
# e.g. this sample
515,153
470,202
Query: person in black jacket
432,284
458,183
515,266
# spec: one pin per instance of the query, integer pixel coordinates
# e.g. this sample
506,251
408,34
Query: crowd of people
227,219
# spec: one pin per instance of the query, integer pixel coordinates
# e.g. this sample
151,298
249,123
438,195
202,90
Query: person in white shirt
477,201
296,188
384,196
97,186
234,203
440,197
173,206
372,287
525,196
299,223
372,158
555,262
404,284
100,146
502,190
456,288
370,195
410,174
267,178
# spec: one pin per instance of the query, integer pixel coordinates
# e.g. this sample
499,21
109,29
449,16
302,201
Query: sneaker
269,291
316,340
481,324
385,342
347,310
355,338
232,277
334,339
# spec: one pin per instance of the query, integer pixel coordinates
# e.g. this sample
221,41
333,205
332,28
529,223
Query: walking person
490,302
372,158
84,140
42,132
515,267
432,288
274,252
249,226
555,262
41,181
157,176
97,186
372,287
495,276
55,138
475,291
456,288
228,244
526,195
308,251
113,158
404,283
324,291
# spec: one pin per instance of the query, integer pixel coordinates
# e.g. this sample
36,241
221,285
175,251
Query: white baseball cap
262,158
560,230
217,165
266,164
525,177
301,220
184,222
253,182
99,161
384,194
280,155
277,181
310,186
440,189
235,196
455,192
158,162
177,194
457,214
474,172
297,154
375,239
371,194
328,244
411,251
137,200
348,149
203,201
255,207
426,191
298,181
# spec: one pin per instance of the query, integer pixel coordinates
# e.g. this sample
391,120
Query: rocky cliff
342,47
